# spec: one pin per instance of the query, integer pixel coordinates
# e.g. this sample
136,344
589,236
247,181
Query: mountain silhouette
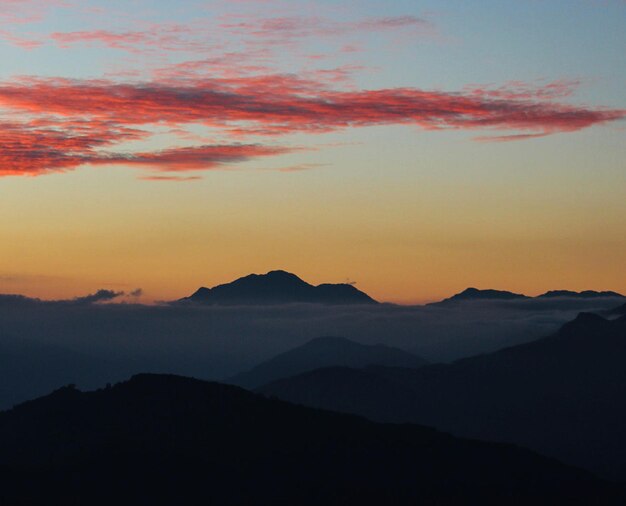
471,294
278,287
586,294
619,310
159,439
563,395
474,294
325,352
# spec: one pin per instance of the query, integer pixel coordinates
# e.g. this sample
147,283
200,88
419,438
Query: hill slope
171,440
564,395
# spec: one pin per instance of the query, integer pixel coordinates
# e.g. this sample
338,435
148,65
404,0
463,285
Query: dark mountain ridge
585,294
562,395
470,294
619,310
170,440
475,294
278,287
324,352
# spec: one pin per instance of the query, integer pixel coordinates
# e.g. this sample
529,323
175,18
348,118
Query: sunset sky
413,147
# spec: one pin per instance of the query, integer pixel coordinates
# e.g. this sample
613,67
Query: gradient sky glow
415,147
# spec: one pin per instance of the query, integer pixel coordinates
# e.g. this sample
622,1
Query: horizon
416,148
138,297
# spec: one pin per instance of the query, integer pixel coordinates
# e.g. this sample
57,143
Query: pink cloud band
79,117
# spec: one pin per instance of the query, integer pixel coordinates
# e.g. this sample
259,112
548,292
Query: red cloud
160,37
40,146
92,115
252,32
285,29
279,104
30,149
192,158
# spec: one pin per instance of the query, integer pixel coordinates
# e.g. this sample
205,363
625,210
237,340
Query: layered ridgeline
617,311
171,440
278,287
564,395
325,352
281,287
475,294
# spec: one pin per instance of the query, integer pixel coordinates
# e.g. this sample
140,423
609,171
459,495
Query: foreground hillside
563,395
172,440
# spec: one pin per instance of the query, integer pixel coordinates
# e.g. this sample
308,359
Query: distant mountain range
474,294
164,440
563,395
325,352
278,287
585,294
281,287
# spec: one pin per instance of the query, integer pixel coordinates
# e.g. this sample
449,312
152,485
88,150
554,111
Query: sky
414,148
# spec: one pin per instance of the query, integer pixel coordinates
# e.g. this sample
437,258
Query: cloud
169,178
286,103
19,41
75,119
192,158
290,29
161,37
99,296
204,35
508,138
31,149
216,342
521,90
301,167
8,300
38,146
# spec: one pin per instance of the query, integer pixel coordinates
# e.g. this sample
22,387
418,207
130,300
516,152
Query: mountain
325,352
278,287
563,396
586,294
619,310
471,294
159,439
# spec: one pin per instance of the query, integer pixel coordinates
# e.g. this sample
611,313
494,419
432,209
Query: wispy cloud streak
77,118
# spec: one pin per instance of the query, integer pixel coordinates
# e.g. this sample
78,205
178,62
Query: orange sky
415,148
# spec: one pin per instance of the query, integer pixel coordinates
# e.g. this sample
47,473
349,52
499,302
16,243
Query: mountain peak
619,310
279,273
473,293
321,352
583,324
278,287
585,317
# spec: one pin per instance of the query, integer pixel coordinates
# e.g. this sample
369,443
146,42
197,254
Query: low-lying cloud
89,342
